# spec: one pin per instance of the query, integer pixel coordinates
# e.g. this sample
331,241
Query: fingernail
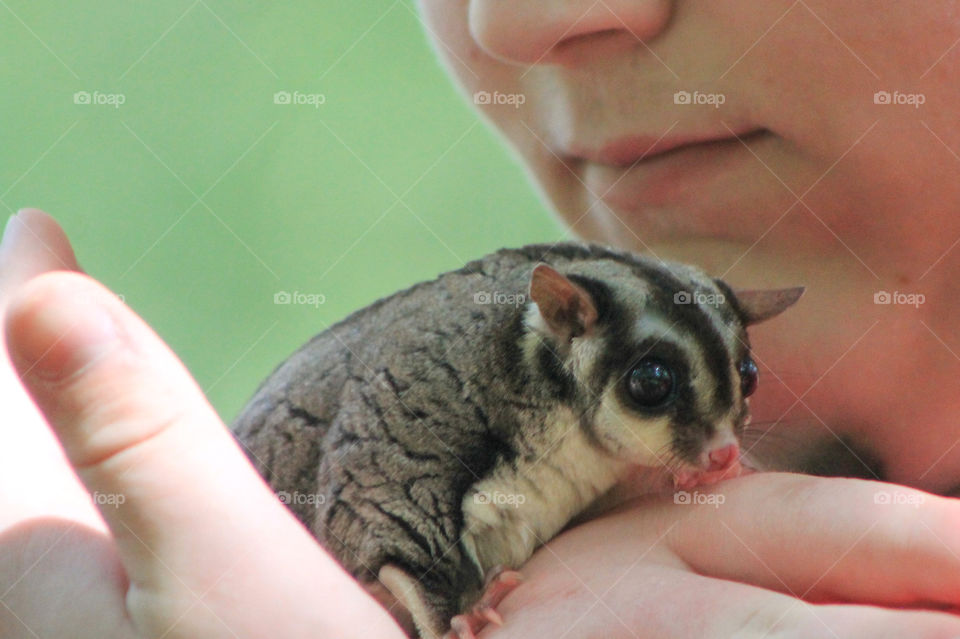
8,231
55,338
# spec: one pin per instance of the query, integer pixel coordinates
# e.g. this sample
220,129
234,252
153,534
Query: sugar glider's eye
651,383
748,377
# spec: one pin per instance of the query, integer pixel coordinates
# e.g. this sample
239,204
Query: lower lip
678,177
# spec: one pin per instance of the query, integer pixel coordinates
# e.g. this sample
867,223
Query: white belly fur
512,512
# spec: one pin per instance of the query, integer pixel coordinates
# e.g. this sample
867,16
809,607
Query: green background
199,198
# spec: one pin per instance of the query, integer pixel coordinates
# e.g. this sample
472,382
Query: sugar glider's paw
499,583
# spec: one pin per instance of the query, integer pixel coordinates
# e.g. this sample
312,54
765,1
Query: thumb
33,243
186,509
132,421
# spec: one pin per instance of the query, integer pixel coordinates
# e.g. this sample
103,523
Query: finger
33,243
826,539
633,586
30,456
636,598
188,511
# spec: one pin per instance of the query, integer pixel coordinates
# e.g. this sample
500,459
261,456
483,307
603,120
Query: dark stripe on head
562,384
599,292
695,321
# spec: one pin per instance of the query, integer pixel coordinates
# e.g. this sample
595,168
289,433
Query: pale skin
133,422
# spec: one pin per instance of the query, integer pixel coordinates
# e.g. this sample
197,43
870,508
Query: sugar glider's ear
761,304
566,309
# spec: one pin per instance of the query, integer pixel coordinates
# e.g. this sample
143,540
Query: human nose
528,32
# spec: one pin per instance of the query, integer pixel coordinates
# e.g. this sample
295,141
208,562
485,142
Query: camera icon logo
481,497
681,497
284,497
682,297
483,297
681,97
282,297
81,97
882,297
881,97
281,97
881,497
481,97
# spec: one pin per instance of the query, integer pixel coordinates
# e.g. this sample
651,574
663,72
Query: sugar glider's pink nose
723,457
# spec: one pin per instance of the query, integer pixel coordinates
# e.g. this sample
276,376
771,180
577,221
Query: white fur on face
645,442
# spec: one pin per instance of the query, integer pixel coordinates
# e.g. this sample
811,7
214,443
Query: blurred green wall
199,198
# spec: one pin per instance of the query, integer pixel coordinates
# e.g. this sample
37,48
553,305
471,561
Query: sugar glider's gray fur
406,434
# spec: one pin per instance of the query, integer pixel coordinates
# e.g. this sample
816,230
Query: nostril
723,457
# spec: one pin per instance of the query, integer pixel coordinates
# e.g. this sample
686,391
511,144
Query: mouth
692,179
628,151
692,478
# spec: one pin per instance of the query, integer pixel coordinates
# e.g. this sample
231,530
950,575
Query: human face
782,144
784,167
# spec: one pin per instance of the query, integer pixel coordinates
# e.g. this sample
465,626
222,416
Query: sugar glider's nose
723,457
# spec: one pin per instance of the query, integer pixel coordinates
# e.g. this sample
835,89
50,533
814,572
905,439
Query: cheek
645,443
448,30
815,76
498,90
813,79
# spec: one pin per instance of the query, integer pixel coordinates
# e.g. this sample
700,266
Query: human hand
198,546
35,477
754,565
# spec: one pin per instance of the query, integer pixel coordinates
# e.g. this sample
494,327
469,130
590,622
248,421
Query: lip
683,182
637,149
